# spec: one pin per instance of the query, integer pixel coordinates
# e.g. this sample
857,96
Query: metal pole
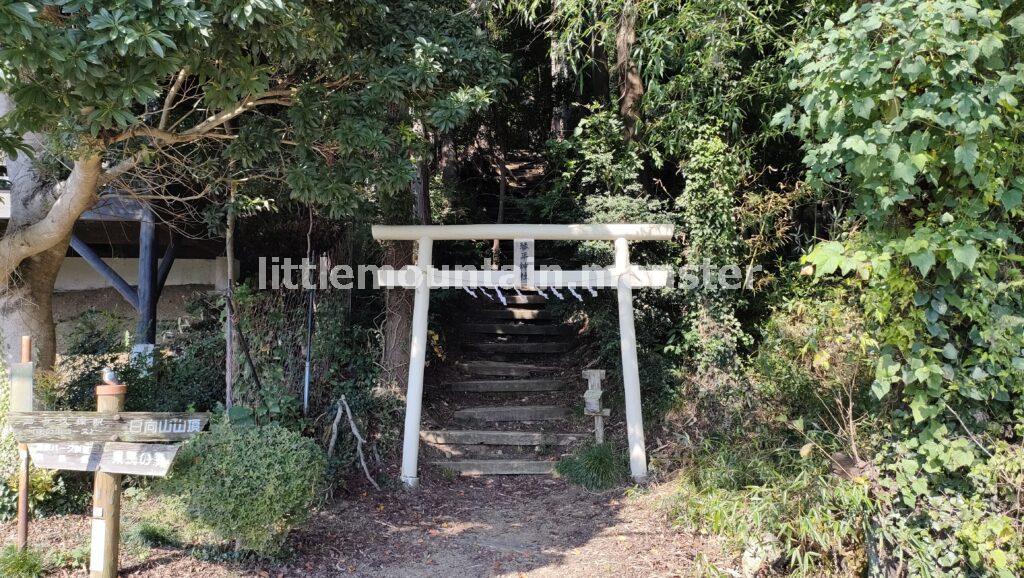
307,375
106,498
23,479
417,358
630,366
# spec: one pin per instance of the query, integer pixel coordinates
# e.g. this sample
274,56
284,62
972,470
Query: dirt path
539,527
497,527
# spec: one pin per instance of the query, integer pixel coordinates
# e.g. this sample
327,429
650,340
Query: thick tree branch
203,129
172,94
74,196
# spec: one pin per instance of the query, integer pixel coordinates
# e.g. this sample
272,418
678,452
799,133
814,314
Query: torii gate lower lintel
623,277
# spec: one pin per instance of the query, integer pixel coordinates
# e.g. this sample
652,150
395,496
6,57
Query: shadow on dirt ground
447,528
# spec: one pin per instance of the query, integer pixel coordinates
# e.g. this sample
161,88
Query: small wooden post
21,400
106,498
594,378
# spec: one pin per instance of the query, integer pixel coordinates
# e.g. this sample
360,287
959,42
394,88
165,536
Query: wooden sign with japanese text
110,457
84,426
523,262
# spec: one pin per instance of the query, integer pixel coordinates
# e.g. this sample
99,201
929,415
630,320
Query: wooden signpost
86,426
111,457
109,442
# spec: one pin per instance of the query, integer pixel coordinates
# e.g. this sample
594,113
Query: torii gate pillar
630,366
417,359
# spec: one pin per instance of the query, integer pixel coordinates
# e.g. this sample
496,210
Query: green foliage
188,372
595,467
26,563
98,333
249,484
912,106
75,559
345,354
707,212
792,514
764,484
345,86
49,493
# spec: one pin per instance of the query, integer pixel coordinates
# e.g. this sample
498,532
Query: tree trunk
26,307
631,86
448,160
598,79
33,247
398,303
421,180
397,328
560,113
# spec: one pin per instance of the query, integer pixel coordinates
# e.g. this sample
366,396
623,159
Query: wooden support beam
145,332
97,263
165,264
22,395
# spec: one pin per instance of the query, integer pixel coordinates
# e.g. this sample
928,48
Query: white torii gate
423,277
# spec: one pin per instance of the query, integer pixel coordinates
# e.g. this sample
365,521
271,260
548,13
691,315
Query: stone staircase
507,408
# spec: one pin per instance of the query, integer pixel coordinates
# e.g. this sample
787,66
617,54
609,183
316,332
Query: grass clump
152,535
759,500
595,467
14,563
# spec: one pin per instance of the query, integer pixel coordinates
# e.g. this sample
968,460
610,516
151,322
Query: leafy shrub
595,467
911,109
187,373
98,333
26,563
249,484
49,493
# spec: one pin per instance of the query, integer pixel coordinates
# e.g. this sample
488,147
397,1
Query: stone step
498,438
525,299
489,452
509,329
513,413
514,313
503,369
507,385
498,467
506,348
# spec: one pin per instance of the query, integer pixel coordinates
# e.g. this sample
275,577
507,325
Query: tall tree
100,93
631,87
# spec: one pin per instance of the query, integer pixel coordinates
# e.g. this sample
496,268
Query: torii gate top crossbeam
643,232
